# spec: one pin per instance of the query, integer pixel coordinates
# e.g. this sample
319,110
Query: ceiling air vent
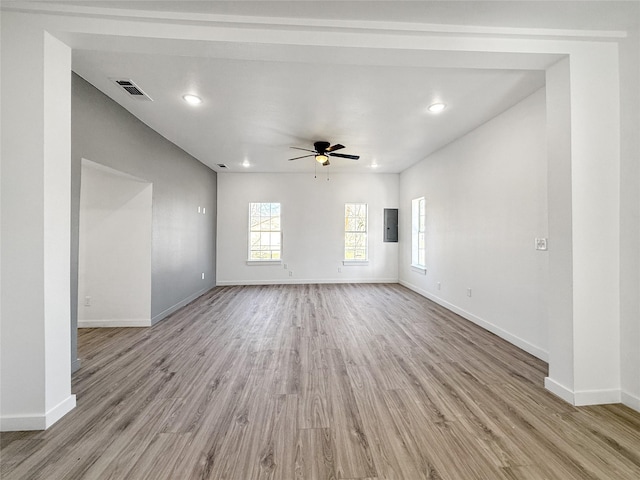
222,165
133,90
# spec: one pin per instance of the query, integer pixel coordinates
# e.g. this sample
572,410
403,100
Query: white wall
114,260
35,345
183,244
313,226
486,202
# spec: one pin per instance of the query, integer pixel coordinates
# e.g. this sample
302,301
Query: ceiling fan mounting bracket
321,146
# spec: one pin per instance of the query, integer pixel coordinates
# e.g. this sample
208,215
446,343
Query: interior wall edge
630,400
164,314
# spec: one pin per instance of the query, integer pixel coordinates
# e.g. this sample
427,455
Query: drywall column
560,307
630,221
35,185
584,354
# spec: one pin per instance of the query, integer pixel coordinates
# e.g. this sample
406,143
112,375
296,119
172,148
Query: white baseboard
303,281
631,401
165,313
114,322
559,390
581,398
513,339
18,423
597,397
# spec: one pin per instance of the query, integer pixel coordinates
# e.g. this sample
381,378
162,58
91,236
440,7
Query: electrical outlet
468,292
438,285
87,301
339,269
285,266
291,274
203,275
198,209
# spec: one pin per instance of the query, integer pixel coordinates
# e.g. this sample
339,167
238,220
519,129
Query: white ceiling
256,110
259,100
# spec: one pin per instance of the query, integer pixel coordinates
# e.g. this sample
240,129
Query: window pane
349,240
348,210
418,227
350,224
264,231
275,241
355,226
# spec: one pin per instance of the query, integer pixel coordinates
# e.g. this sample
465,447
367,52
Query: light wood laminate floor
319,382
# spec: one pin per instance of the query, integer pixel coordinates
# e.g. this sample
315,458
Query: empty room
320,240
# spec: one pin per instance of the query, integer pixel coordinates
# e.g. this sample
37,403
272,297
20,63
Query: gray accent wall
183,240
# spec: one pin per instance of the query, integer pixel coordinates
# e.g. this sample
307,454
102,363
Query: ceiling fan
324,150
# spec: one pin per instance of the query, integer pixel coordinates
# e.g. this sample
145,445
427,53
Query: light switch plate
541,243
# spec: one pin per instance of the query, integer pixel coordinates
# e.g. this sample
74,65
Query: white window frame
418,235
265,234
349,232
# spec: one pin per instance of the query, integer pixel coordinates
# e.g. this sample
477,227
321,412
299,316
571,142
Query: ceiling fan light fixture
437,107
321,158
192,99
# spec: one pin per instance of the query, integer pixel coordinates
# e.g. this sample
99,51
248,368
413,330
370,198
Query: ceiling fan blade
303,156
305,149
342,155
335,147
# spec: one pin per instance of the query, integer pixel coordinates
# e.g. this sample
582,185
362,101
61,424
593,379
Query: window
355,232
418,233
265,234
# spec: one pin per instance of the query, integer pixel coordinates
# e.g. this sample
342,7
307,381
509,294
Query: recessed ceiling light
437,107
192,99
374,165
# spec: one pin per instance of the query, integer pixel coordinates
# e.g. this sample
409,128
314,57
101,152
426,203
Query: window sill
264,262
355,263
419,269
